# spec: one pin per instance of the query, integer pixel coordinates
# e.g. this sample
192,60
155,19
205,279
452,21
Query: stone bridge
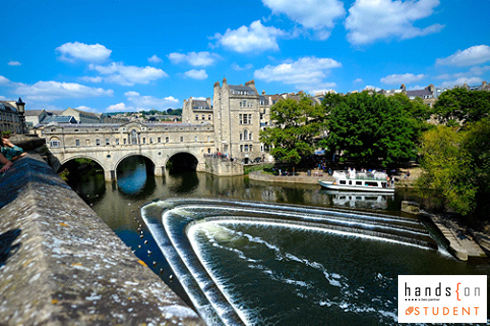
159,143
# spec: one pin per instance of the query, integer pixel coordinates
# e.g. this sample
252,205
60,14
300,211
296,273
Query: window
245,134
209,117
197,116
241,148
134,137
209,138
151,140
209,150
124,141
55,143
117,141
107,142
181,139
203,117
166,139
144,140
159,139
195,138
250,136
246,148
97,142
250,147
87,142
77,142
241,136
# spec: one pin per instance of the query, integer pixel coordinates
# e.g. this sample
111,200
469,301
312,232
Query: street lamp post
21,110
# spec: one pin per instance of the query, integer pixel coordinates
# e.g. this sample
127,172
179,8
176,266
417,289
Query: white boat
361,181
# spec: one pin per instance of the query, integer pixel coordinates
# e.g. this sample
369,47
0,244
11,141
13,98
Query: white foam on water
217,232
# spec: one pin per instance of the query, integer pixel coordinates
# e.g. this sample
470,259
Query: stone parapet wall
60,264
218,166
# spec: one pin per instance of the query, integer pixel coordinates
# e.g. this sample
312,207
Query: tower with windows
237,120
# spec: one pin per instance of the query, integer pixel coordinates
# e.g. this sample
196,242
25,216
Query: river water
253,253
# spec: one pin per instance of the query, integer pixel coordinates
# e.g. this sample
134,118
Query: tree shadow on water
7,248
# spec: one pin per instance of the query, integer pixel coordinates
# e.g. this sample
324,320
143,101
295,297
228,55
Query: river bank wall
60,264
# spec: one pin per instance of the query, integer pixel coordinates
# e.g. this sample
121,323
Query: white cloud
371,20
358,81
120,107
4,80
398,79
305,73
128,75
474,71
150,102
472,56
460,81
131,94
51,90
14,63
3,98
154,59
91,79
86,109
196,74
444,76
85,52
196,59
256,38
237,67
318,15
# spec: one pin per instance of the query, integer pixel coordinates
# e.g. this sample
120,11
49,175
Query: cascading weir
188,231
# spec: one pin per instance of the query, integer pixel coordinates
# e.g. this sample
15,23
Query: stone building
197,111
237,121
9,117
82,116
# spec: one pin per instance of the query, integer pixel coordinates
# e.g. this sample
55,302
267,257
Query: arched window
245,135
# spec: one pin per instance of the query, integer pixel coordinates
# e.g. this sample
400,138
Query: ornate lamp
21,110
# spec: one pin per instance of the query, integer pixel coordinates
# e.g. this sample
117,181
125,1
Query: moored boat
360,181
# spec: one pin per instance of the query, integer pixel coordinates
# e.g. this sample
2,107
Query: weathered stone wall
60,264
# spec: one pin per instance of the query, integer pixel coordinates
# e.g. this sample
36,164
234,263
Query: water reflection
359,200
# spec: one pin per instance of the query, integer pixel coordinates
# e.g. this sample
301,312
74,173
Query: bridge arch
122,158
88,157
182,161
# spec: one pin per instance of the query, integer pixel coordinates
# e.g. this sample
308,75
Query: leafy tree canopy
456,167
297,123
372,129
460,105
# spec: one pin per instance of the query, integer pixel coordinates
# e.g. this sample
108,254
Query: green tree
447,176
370,129
460,105
297,124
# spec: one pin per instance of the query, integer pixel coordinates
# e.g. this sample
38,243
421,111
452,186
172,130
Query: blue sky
108,55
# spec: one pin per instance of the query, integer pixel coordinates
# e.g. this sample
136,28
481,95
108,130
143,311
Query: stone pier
60,264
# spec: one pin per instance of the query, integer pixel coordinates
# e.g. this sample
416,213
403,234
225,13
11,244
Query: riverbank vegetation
373,130
368,129
456,155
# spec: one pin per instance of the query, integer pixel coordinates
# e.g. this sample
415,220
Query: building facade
9,117
237,121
